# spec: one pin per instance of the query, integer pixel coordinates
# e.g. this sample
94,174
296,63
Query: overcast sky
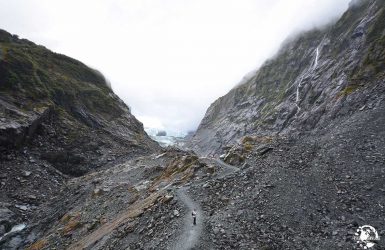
167,59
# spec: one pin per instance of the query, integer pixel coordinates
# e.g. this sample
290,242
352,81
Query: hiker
194,215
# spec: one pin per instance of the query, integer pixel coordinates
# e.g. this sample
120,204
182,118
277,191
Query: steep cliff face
56,109
318,77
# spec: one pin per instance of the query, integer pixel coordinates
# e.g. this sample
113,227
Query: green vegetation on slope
37,75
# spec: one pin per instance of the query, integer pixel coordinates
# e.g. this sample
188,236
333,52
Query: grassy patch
71,223
248,147
348,90
247,143
247,139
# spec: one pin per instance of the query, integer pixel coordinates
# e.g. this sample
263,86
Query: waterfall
316,58
308,71
297,94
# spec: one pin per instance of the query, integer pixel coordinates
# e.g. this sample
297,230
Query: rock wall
316,77
59,110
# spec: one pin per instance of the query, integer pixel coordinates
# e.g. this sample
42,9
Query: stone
32,197
27,173
97,192
22,207
93,224
263,150
211,169
167,198
176,213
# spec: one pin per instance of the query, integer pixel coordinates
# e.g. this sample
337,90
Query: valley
292,158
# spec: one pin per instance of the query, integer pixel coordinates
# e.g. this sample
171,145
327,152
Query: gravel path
191,233
227,169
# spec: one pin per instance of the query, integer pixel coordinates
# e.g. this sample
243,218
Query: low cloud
167,59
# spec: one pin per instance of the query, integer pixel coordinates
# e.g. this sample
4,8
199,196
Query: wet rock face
62,110
317,77
13,132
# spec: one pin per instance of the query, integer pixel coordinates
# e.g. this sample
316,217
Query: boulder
161,133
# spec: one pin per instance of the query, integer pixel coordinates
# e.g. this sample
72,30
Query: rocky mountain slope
307,133
63,109
316,77
58,118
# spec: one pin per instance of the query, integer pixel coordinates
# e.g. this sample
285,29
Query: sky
167,59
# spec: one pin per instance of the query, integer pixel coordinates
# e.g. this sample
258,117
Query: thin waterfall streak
297,95
297,99
316,58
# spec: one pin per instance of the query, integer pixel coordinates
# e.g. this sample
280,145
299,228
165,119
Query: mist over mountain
167,61
291,157
303,86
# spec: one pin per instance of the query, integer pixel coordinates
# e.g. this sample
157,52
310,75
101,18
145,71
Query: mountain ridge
271,92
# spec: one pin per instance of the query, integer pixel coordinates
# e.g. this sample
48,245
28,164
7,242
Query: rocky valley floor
302,193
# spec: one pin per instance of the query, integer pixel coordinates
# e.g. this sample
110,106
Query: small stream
17,228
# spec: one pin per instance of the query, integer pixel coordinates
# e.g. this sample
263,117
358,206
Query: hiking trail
191,233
